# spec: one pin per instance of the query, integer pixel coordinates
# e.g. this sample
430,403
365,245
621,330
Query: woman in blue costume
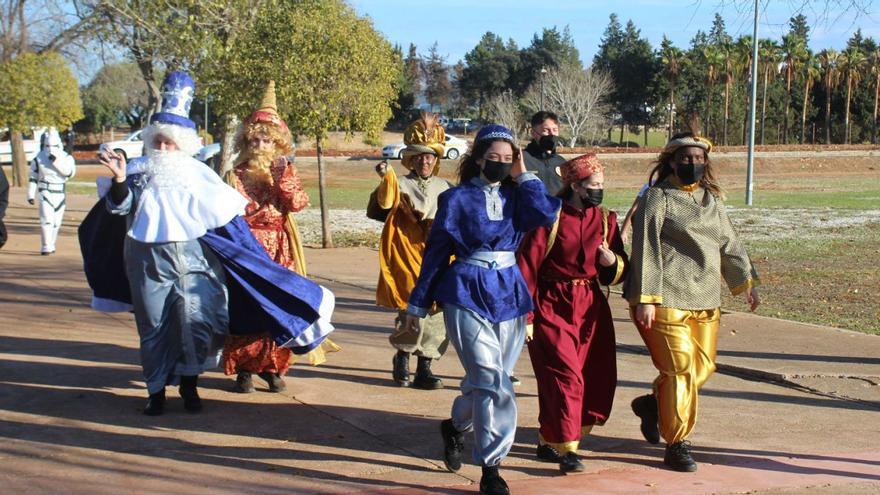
189,266
483,294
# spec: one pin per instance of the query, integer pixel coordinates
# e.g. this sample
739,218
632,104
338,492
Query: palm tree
794,50
768,55
673,59
743,57
852,62
874,60
729,64
714,60
811,72
829,59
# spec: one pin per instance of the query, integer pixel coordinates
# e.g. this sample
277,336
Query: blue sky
457,25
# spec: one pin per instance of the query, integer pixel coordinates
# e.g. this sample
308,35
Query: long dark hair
663,169
468,167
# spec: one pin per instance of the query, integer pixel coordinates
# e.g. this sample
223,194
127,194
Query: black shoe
276,383
571,463
453,445
155,404
492,483
547,453
426,380
678,457
645,408
515,381
244,383
401,368
190,393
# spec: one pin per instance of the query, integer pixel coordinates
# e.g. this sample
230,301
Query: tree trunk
19,160
787,104
726,111
764,104
846,136
326,235
828,114
227,140
876,98
621,131
671,112
804,112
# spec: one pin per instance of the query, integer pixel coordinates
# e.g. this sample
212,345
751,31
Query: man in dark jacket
4,202
540,155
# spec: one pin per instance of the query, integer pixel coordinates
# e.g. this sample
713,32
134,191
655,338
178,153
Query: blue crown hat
495,131
177,96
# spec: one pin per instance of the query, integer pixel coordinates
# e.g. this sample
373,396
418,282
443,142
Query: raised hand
114,162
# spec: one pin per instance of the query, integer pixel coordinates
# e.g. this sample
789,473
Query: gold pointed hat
425,135
267,112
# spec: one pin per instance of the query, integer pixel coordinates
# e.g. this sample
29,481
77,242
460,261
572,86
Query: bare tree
504,109
577,96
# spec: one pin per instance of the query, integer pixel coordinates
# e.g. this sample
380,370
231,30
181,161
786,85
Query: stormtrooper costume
50,171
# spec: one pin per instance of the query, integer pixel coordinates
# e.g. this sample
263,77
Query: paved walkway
793,409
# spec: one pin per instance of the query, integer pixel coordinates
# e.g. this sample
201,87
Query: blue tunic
473,218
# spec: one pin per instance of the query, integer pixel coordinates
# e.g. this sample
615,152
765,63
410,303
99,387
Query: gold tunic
413,204
683,245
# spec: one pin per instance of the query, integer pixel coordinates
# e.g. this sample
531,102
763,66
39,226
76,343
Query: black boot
570,463
426,380
645,408
244,383
546,453
276,384
453,445
190,394
678,457
401,369
155,404
492,483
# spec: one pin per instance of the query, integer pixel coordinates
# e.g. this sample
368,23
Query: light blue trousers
487,404
180,306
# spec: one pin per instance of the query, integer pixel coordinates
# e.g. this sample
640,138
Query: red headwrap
580,168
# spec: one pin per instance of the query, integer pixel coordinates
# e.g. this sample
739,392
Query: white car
455,147
31,141
131,147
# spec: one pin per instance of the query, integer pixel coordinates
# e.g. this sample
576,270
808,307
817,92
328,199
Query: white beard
165,169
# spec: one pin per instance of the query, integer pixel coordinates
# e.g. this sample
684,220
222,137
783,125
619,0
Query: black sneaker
491,483
571,463
515,381
547,453
678,457
453,445
244,383
645,407
155,404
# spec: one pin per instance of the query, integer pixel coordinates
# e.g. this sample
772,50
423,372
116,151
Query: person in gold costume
410,202
268,179
683,247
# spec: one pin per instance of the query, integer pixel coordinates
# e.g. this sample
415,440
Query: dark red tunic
573,347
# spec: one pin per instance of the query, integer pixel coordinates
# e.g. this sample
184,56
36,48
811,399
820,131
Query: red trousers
574,358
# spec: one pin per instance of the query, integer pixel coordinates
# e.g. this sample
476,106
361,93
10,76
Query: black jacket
544,166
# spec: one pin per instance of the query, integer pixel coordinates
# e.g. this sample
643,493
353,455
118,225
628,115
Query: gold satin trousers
682,344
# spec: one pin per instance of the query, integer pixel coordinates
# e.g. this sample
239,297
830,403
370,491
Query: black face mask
690,173
496,171
593,197
548,143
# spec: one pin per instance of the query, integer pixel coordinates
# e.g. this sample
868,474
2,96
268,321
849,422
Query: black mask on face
548,143
690,173
592,197
496,171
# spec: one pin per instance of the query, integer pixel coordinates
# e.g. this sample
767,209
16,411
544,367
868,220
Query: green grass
829,280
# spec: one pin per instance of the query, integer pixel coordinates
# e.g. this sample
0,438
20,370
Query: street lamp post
753,98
